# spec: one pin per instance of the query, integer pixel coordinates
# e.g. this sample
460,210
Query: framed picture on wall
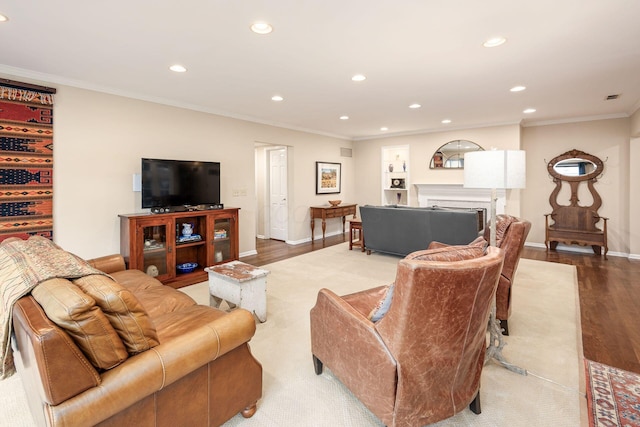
328,177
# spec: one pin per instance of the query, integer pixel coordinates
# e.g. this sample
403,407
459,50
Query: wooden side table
356,235
324,212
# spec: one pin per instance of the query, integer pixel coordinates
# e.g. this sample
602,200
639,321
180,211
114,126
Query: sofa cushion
156,298
161,300
124,311
135,280
77,313
175,324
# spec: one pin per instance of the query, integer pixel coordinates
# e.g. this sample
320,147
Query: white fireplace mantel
458,196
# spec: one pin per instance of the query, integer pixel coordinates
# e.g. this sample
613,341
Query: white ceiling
570,54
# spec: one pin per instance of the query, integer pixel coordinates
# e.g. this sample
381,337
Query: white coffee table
239,284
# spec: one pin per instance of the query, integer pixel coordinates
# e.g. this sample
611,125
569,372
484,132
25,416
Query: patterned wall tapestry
26,161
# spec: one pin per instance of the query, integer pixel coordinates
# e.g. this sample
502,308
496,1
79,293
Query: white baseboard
582,250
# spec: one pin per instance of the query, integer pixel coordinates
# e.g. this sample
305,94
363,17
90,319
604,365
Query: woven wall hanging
26,159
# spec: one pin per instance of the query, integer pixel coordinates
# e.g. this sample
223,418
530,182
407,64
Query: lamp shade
495,169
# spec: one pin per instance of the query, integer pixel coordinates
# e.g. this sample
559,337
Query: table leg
324,227
313,223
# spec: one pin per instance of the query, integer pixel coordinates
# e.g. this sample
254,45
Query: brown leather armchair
422,361
511,233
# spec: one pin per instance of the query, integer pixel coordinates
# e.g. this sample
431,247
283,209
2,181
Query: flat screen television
179,183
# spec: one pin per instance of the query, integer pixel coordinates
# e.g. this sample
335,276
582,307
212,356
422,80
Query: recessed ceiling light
494,41
3,18
384,128
518,88
414,106
529,110
178,68
277,98
261,28
358,78
446,121
344,117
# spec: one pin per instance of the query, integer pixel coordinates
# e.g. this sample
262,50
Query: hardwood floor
609,296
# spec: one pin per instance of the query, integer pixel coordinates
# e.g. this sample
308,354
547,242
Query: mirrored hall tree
395,175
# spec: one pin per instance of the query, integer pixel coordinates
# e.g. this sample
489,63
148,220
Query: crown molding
576,120
51,78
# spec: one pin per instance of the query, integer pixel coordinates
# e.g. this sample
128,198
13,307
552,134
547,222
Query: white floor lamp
495,169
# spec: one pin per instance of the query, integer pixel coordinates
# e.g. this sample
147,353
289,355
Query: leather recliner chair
422,361
511,233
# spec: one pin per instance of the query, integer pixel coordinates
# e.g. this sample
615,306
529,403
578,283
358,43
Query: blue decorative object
187,267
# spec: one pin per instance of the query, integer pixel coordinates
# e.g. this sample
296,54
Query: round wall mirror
575,165
451,154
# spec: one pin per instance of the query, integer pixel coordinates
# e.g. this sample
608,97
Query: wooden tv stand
155,244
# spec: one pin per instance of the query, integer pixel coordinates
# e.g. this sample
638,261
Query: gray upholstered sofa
400,230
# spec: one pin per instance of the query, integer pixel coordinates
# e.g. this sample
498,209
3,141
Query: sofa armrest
151,371
109,263
46,355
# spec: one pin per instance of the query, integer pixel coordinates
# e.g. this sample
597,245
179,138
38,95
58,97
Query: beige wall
421,148
634,178
100,138
635,124
606,139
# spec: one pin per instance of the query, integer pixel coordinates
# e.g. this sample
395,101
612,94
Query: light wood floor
609,296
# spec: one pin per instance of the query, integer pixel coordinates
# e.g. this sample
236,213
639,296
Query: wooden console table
324,212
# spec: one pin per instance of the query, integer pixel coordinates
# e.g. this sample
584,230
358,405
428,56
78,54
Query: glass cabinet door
222,239
155,249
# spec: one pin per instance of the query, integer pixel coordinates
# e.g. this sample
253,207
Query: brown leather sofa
421,362
200,372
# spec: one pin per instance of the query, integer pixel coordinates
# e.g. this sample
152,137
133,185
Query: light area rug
544,339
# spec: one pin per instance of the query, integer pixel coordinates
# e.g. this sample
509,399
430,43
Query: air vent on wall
610,97
345,152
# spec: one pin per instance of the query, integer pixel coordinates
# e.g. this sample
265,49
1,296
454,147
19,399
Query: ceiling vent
611,97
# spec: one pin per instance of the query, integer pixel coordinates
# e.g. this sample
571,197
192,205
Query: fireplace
457,196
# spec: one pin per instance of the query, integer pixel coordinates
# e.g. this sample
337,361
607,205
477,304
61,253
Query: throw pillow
383,305
124,311
77,313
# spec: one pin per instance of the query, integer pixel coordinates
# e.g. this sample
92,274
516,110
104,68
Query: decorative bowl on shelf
335,202
186,267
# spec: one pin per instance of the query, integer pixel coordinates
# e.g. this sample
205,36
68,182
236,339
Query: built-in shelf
395,175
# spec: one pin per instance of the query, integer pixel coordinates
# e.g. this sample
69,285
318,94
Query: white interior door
278,212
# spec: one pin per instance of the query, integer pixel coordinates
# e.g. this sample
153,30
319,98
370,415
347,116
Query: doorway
278,193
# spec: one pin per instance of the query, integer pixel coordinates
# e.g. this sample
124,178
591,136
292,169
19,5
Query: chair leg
317,365
475,404
505,327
